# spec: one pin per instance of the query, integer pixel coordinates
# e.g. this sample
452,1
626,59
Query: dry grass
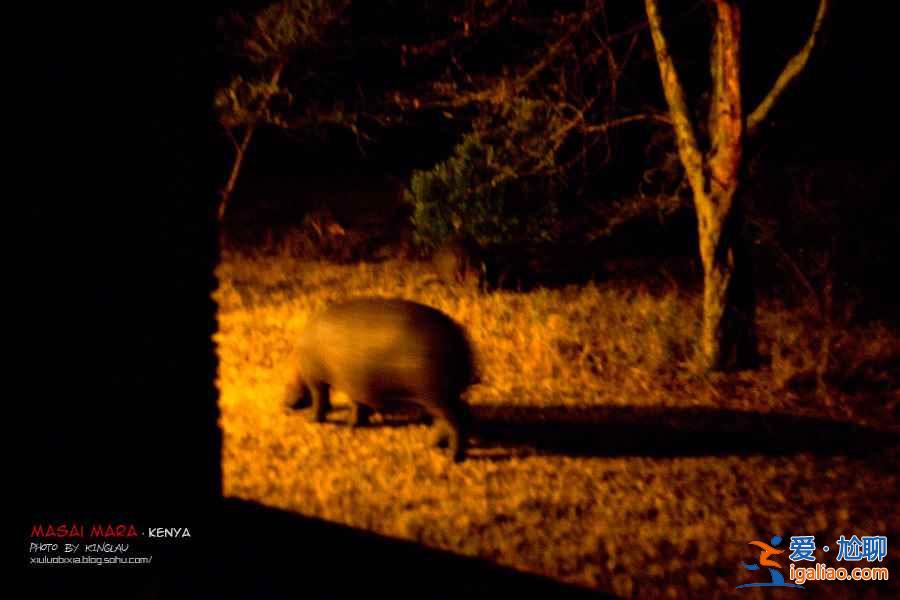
632,523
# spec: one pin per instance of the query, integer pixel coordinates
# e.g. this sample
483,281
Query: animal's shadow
500,431
669,432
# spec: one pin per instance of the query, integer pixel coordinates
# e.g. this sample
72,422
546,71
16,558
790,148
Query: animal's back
397,342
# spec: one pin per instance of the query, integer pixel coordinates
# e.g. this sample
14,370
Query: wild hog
385,354
459,261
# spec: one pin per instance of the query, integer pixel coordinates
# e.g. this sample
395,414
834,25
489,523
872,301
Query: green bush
480,190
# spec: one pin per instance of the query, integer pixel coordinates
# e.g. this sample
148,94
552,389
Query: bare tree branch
604,127
466,31
228,189
793,68
688,148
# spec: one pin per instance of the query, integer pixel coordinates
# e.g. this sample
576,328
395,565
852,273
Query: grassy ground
601,459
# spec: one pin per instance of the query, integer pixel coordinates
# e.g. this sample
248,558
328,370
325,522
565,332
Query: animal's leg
450,432
359,414
321,402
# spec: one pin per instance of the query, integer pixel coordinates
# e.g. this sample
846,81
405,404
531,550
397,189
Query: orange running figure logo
766,550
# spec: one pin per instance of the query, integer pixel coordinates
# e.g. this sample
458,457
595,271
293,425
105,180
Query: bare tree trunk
727,335
713,175
717,257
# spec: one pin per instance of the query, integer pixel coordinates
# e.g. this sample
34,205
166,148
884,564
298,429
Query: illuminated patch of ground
673,521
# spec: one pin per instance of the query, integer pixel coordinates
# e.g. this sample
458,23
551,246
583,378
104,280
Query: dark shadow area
258,552
610,431
120,244
669,432
274,554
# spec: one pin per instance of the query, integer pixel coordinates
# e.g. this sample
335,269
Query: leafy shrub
481,191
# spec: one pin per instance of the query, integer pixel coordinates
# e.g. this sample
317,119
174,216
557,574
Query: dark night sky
115,89
120,94
842,107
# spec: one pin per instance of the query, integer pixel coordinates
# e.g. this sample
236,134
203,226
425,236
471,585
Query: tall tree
574,75
714,172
